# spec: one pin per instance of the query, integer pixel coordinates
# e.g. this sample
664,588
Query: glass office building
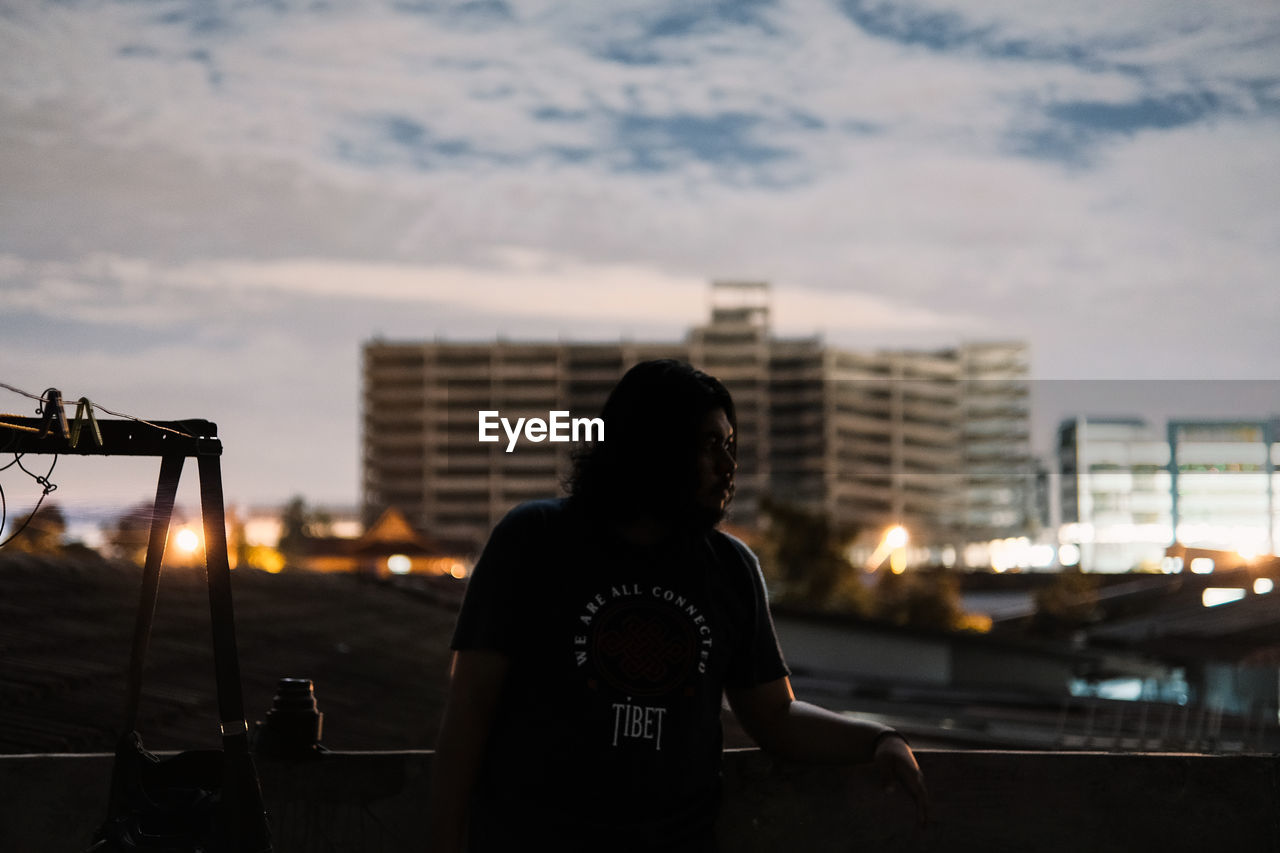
1129,491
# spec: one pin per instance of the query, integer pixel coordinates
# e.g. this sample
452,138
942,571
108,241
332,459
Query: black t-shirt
609,722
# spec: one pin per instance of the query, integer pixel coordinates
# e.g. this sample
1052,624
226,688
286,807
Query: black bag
200,801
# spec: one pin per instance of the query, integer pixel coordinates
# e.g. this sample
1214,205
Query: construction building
937,441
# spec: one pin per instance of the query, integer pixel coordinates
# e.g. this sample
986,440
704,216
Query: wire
141,421
15,427
44,398
35,397
47,486
44,482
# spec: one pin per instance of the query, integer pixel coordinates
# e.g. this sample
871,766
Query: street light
892,545
187,541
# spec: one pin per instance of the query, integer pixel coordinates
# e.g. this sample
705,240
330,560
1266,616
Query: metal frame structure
173,442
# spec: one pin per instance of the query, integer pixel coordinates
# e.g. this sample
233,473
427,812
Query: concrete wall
836,648
990,666
982,801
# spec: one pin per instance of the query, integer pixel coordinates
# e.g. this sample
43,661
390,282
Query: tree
128,536
928,599
804,555
298,524
41,531
1068,603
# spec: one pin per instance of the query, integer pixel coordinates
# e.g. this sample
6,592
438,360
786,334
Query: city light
892,546
187,541
1262,586
1249,551
1041,556
399,564
1075,532
1202,565
1216,595
267,559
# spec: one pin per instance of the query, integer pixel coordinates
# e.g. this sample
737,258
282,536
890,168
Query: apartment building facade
1129,491
935,440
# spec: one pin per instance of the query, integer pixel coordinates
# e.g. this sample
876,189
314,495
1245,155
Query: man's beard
700,518
705,519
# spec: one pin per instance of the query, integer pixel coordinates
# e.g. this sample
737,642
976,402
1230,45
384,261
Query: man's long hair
647,462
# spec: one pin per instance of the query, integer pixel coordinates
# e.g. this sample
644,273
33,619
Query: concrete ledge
991,802
982,801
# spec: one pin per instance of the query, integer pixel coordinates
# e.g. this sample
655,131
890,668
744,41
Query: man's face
717,445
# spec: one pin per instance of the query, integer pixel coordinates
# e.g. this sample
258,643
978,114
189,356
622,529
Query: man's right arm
474,690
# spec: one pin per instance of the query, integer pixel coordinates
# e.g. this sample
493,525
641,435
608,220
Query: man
599,635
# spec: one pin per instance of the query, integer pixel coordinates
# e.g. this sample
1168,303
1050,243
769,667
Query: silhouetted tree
923,600
127,538
237,543
42,531
1068,603
298,523
804,555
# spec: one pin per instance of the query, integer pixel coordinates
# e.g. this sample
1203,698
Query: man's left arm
800,731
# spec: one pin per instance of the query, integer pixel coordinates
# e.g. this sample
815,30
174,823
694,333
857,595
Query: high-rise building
1222,484
1116,506
1000,491
1128,492
934,440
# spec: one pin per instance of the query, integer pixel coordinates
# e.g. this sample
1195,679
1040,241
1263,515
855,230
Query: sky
207,207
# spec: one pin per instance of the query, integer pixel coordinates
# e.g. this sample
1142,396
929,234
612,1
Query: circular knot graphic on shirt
644,648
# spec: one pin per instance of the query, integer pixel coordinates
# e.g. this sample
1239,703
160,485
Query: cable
141,421
4,504
44,483
43,398
23,393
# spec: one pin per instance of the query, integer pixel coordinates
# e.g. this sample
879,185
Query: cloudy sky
206,207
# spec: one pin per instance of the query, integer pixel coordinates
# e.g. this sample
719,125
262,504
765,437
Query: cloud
516,284
213,191
379,88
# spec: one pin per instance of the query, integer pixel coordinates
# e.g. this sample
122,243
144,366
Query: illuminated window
1215,595
1202,565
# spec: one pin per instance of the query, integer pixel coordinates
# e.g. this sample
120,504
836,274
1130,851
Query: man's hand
799,731
897,766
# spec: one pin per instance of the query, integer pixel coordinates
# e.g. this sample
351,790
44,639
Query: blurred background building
934,440
1131,493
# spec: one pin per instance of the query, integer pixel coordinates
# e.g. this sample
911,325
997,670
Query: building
937,441
1116,505
1130,493
1223,485
390,546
